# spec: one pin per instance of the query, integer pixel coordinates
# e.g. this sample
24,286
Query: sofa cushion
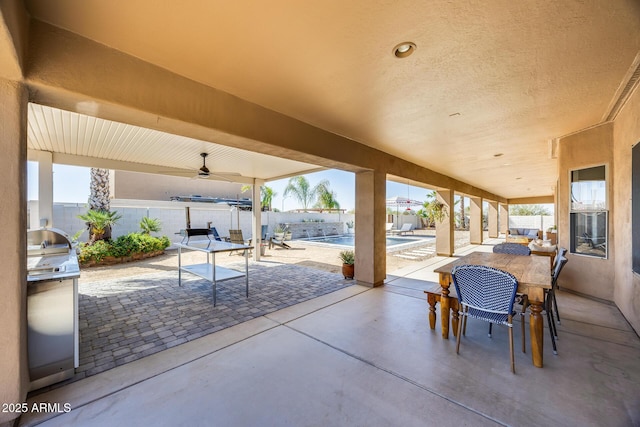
539,247
532,232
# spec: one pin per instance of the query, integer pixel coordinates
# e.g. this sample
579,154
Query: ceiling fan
205,173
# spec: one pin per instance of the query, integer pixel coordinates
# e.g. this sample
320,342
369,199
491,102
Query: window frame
590,210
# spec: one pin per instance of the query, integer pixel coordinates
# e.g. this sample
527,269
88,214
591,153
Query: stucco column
493,219
475,220
44,215
256,218
14,376
445,242
503,217
371,215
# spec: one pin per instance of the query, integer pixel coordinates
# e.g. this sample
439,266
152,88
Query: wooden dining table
532,273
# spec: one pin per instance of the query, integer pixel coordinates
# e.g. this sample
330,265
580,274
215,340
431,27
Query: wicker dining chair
488,294
512,249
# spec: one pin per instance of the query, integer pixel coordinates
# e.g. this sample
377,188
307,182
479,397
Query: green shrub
123,246
96,252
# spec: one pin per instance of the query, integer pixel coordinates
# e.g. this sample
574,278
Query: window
589,215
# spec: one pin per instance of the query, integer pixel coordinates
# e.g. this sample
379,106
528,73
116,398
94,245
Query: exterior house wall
14,376
585,274
626,133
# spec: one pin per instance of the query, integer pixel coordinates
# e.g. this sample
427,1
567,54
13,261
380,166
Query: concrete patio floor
361,356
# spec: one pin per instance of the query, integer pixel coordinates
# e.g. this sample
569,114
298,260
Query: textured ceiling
490,77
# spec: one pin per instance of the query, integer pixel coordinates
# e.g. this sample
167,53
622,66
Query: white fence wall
541,222
172,216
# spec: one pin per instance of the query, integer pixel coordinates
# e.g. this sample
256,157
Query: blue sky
71,185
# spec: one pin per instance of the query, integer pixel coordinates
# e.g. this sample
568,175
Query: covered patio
501,102
366,356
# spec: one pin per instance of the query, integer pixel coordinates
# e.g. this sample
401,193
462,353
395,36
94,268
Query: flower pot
288,235
263,249
278,236
348,271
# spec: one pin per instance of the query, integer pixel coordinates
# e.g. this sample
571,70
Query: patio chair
487,294
389,227
215,234
235,236
406,228
511,248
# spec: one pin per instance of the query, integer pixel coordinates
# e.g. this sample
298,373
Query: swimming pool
349,240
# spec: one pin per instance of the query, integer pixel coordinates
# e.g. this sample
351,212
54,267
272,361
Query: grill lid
46,241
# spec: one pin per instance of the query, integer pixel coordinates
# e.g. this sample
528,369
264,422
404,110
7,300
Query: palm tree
149,225
300,189
266,195
99,197
463,223
99,223
326,197
98,218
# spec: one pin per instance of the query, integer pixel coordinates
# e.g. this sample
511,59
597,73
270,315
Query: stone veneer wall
303,230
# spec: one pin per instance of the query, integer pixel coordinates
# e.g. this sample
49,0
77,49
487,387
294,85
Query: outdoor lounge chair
389,227
215,234
406,228
235,236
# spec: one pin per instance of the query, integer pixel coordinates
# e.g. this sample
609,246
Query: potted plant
348,260
288,234
350,226
278,233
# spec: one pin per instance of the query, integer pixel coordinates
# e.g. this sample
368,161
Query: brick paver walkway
125,319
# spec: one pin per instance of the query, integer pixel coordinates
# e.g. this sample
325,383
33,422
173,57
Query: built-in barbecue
52,306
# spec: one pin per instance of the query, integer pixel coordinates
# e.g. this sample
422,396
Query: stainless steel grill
52,306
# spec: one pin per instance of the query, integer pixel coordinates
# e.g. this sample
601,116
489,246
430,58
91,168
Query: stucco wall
626,133
589,275
13,339
172,217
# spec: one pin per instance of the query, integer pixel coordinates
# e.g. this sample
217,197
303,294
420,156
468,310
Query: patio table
532,273
209,270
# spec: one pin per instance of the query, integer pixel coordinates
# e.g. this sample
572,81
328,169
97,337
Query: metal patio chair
488,294
511,248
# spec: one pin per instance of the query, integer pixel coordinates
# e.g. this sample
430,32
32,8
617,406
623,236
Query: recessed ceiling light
498,155
519,177
404,49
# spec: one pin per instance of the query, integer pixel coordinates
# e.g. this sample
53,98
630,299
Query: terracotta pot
348,271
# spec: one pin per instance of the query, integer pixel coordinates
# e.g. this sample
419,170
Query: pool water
349,240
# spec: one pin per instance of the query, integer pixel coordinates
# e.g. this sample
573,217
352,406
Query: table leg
179,266
246,271
456,316
432,299
213,266
536,330
445,304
